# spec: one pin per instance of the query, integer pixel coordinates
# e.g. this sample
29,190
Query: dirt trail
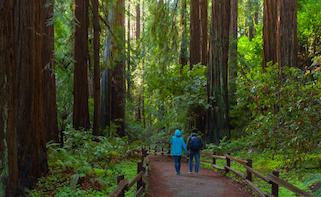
163,182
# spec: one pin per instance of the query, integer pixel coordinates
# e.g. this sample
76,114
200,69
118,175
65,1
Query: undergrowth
86,166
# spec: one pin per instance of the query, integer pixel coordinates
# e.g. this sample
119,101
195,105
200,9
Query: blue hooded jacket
177,144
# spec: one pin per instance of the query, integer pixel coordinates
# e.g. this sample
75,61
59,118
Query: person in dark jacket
194,146
177,147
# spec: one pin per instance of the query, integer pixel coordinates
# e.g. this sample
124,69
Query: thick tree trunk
80,106
269,31
233,53
204,31
195,31
218,71
8,150
50,79
96,125
286,45
30,127
183,57
118,72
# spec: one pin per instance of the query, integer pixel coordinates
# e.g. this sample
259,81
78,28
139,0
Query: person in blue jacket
177,147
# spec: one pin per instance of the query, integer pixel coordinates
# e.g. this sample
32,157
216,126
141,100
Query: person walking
177,147
194,146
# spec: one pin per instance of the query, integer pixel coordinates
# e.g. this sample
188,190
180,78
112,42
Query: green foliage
283,112
314,181
86,165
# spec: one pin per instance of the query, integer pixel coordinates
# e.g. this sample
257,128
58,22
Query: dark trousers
194,155
177,161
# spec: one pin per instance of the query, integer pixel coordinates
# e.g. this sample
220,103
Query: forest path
163,182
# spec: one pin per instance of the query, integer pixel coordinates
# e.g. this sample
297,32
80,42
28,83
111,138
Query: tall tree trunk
30,127
138,23
128,53
118,72
218,71
183,57
80,107
204,31
96,126
106,75
50,79
269,31
286,45
8,150
233,53
195,31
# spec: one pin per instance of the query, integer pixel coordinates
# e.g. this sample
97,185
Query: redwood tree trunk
96,126
218,71
286,45
233,53
50,79
30,127
80,106
8,150
204,31
269,31
195,31
183,57
118,72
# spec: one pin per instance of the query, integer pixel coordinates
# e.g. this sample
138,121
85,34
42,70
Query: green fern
312,180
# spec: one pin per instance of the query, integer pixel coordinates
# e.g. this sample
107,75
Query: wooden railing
123,185
272,179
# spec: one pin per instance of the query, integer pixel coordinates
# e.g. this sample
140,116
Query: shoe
190,172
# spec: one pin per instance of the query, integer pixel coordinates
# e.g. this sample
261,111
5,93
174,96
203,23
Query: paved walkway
163,182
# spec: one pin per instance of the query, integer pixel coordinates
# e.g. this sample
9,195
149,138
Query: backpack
195,143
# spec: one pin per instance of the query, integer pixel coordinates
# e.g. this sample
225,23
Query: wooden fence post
119,179
228,163
214,159
248,173
275,187
139,169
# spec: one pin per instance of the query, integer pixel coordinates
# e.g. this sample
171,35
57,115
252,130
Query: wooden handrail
124,185
274,180
288,186
135,179
240,161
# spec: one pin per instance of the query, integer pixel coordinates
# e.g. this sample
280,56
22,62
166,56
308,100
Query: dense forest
85,83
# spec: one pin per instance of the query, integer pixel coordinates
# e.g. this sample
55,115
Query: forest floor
163,181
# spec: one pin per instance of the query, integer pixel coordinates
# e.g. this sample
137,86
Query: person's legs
197,156
190,162
177,164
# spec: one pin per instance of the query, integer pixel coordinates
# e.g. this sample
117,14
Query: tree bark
96,125
204,31
286,33
30,127
218,71
118,72
50,79
195,31
8,150
233,67
80,106
183,57
269,31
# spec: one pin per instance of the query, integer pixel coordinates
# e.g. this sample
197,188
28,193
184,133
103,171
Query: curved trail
163,182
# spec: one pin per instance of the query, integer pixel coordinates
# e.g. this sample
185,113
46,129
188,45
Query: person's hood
193,134
178,133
